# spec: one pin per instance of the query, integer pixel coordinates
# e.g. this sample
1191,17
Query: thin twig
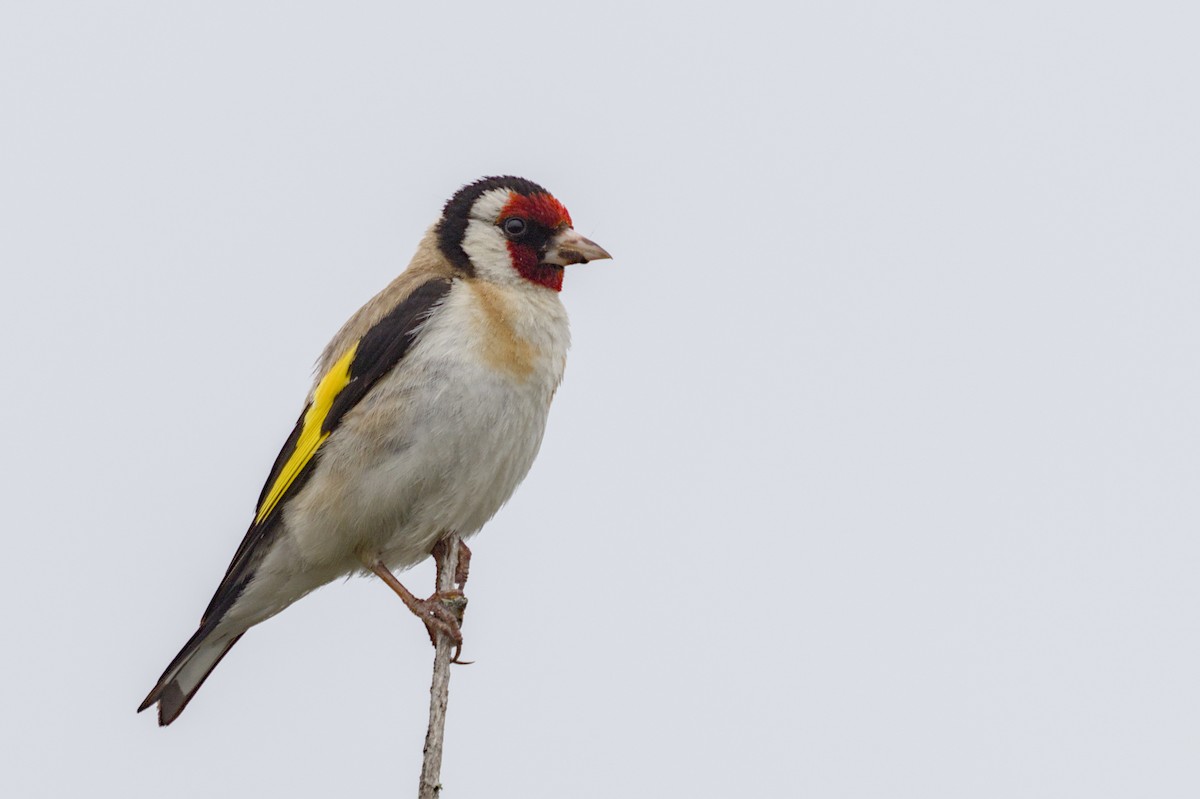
439,691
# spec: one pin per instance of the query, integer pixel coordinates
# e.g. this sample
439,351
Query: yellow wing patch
311,437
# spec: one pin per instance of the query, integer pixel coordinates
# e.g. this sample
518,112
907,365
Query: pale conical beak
568,247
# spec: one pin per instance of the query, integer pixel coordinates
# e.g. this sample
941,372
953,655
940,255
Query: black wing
337,392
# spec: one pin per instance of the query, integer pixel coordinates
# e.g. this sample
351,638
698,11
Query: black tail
187,672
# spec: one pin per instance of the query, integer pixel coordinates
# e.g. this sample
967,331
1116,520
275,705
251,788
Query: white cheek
488,251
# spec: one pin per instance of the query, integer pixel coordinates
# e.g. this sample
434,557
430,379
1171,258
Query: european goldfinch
427,411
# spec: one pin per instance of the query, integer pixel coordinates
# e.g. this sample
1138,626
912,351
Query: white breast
444,439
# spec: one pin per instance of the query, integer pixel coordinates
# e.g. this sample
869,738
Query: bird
427,410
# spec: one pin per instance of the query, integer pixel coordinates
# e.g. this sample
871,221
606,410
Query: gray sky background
875,469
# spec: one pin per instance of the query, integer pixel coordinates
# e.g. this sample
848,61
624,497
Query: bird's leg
464,562
441,613
450,592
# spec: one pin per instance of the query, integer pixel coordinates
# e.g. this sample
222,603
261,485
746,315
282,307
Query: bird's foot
442,614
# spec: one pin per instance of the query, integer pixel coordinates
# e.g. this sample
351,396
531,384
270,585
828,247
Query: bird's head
511,230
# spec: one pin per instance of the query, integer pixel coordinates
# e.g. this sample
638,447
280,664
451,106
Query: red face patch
525,259
541,208
548,212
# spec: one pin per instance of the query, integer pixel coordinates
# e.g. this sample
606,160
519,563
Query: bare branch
447,555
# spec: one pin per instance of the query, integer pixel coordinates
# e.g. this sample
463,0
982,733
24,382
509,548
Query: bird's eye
514,227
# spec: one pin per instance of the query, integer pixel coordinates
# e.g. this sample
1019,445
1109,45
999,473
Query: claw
456,603
442,613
